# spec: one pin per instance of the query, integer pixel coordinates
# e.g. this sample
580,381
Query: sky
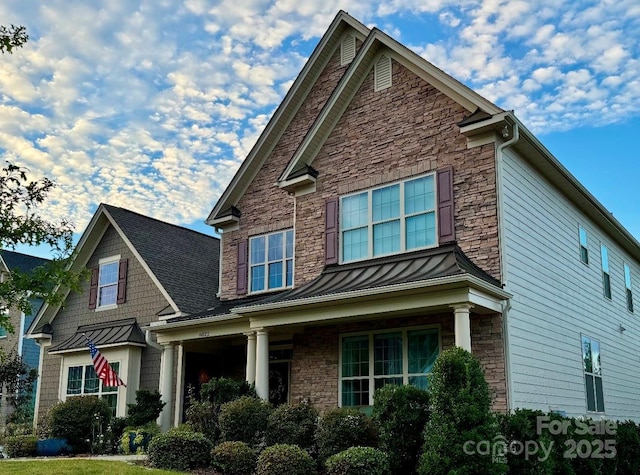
152,105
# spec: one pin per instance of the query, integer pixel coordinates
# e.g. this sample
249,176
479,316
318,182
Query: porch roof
105,334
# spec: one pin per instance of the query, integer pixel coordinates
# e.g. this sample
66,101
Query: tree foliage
20,223
12,37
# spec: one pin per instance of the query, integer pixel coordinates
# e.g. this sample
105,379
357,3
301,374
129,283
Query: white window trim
593,375
402,217
580,246
266,262
607,272
102,262
626,269
405,355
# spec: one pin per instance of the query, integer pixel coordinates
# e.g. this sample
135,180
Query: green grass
76,467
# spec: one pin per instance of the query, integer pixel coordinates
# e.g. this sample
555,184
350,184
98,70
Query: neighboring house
142,270
388,212
16,341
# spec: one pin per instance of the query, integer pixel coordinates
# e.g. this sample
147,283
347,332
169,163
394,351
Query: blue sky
153,105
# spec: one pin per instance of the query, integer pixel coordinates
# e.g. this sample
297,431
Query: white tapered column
262,364
462,320
166,386
251,357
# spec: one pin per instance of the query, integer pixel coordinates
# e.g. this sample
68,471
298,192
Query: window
584,250
606,280
83,380
108,284
592,374
271,261
388,220
627,285
3,332
369,361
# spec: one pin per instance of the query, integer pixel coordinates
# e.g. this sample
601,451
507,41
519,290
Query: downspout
506,305
150,342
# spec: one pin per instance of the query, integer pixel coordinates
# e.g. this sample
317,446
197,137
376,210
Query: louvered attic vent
347,50
382,73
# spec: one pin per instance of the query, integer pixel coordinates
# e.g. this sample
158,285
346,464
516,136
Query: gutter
150,342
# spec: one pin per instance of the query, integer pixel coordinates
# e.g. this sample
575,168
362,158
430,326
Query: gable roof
22,262
181,262
287,109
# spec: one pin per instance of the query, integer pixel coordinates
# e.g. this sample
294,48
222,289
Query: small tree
147,408
16,380
461,418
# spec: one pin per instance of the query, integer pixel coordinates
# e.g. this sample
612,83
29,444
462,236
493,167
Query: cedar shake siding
144,301
402,131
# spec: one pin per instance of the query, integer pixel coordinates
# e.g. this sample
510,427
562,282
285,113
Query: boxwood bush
281,459
359,461
180,450
21,446
234,458
244,420
79,419
400,414
294,425
341,428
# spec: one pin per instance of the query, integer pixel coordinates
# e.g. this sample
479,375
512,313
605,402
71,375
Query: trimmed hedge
294,425
180,450
341,428
79,420
244,420
359,461
281,459
21,446
234,458
400,413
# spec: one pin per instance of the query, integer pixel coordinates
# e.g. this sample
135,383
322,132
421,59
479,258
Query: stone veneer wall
314,368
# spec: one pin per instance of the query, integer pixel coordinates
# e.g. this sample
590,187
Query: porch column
177,415
251,357
262,364
166,386
462,325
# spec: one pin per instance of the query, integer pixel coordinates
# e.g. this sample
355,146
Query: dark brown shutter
446,224
122,281
241,268
93,289
331,231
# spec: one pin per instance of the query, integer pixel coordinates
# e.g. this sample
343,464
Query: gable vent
382,73
347,50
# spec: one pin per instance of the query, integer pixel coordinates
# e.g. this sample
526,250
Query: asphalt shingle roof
22,262
184,261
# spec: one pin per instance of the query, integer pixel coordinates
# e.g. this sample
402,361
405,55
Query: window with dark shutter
446,223
93,289
122,281
241,268
331,231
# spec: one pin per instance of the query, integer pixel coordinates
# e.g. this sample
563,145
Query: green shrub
135,440
146,409
627,448
115,431
244,420
400,414
234,458
518,428
359,461
80,420
221,390
341,428
460,418
21,446
202,416
286,459
180,450
294,425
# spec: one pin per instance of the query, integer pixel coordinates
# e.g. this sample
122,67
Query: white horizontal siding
557,298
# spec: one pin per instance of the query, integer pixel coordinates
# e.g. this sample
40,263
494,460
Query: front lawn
76,467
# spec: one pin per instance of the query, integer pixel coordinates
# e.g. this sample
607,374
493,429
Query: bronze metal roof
118,332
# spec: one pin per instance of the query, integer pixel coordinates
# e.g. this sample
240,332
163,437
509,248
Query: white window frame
584,257
402,217
265,264
628,285
593,374
101,264
405,357
606,276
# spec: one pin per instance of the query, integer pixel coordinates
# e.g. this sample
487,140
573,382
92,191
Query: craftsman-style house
388,212
142,270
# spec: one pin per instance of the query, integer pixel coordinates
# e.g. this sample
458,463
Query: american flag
107,375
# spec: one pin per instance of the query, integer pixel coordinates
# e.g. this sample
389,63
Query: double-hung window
108,284
584,249
369,361
271,261
83,380
627,286
606,279
389,220
592,374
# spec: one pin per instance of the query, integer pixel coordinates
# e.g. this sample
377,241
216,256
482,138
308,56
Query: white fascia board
102,347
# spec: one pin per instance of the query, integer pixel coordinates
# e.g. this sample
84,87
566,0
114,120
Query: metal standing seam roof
118,332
